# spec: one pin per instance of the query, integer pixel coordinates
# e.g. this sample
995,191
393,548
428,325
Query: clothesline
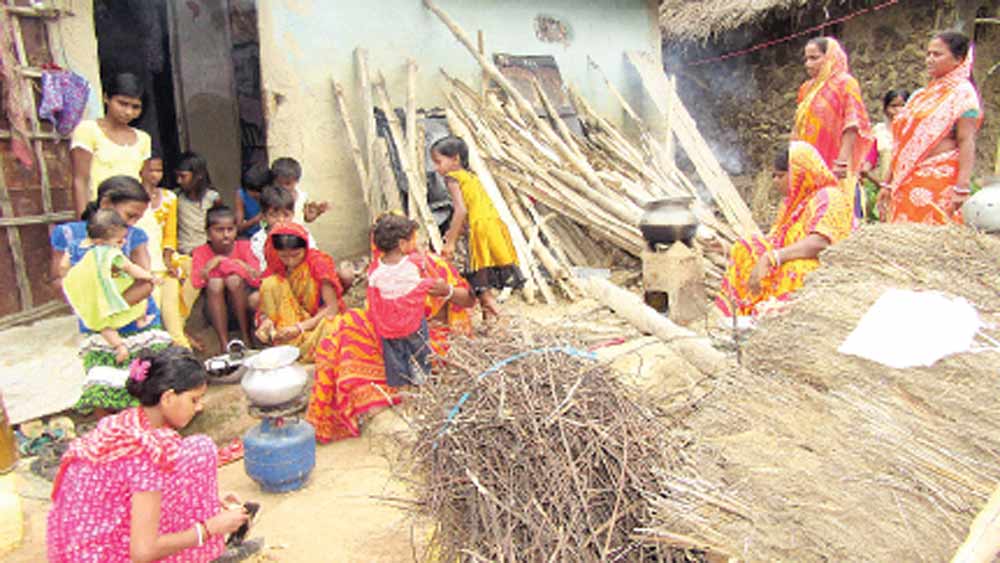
787,38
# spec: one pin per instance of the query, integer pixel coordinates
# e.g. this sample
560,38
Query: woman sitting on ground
350,368
301,292
935,135
133,489
104,385
814,214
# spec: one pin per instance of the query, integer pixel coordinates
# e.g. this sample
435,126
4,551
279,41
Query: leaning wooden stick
352,139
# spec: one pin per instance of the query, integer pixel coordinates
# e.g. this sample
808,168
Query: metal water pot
273,378
669,220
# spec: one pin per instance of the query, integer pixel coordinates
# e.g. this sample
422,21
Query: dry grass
698,20
830,457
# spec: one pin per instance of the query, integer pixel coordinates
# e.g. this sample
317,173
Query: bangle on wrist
451,293
208,533
198,531
301,329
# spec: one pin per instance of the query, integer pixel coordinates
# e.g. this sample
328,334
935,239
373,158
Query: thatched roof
699,20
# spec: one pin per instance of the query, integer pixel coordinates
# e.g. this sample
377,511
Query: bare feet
121,354
196,345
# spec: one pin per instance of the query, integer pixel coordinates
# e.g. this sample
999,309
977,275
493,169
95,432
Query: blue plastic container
280,457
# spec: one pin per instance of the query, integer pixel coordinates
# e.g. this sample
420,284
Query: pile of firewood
566,198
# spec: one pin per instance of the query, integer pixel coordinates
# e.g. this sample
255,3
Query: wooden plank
368,114
14,238
22,58
57,217
411,110
31,315
712,175
352,139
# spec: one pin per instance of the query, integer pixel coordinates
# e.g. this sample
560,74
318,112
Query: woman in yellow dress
494,261
814,214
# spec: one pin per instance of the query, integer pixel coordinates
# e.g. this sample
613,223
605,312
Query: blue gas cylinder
279,455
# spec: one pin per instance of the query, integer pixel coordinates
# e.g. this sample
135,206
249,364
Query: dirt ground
347,510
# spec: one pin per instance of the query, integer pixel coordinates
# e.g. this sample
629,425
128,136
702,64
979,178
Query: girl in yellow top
493,259
108,146
160,224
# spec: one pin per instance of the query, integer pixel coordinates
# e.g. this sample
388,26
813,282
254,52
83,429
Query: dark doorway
177,48
132,37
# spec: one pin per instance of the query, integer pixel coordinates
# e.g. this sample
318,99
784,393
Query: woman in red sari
813,215
831,114
935,137
350,373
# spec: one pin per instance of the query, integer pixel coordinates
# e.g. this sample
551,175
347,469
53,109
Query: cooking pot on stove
669,220
273,378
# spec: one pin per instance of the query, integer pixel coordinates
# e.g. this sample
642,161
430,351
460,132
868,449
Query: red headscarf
321,266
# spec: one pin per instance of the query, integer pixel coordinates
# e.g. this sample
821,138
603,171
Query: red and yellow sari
350,373
828,105
814,204
288,298
922,185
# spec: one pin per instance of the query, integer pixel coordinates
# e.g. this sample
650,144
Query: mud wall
305,44
745,105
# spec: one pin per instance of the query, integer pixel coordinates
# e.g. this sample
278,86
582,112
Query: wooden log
484,78
697,350
557,121
532,231
418,186
352,139
712,175
411,109
525,107
384,180
367,112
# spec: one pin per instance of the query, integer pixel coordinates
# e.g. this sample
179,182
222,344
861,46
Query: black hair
891,95
219,213
195,164
391,229
957,42
286,167
276,198
821,42
103,222
116,189
124,84
172,368
452,146
781,160
256,178
288,242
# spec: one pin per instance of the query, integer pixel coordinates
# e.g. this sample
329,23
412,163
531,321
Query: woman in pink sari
935,137
831,114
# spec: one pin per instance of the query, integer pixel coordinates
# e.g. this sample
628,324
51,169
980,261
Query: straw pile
830,457
548,459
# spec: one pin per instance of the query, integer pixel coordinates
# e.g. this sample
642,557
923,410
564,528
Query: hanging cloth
64,97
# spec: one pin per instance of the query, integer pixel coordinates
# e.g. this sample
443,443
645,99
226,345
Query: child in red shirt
228,269
397,289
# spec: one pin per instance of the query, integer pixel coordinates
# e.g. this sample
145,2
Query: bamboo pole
418,187
368,111
484,77
411,109
352,139
557,121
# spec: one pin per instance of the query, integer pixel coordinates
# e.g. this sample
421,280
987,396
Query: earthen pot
668,220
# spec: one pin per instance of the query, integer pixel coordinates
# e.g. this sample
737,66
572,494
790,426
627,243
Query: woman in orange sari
350,373
301,292
831,115
814,214
935,136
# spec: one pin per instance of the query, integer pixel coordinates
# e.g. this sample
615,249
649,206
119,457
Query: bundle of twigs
548,459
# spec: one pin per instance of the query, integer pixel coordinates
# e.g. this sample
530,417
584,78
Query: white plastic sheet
910,329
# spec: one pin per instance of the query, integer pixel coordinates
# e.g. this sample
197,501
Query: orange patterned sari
828,105
291,297
814,204
350,373
922,185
